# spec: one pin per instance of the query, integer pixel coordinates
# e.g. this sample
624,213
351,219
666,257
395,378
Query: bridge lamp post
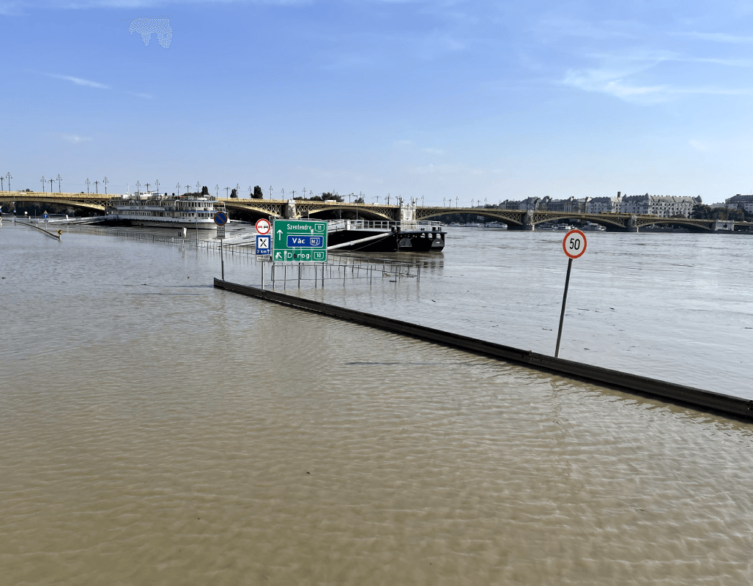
456,201
227,192
1,183
51,180
43,182
147,187
138,186
270,192
250,191
88,182
9,177
177,186
156,184
105,181
59,179
96,187
217,191
198,187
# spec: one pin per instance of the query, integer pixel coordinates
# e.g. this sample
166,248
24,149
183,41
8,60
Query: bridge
515,219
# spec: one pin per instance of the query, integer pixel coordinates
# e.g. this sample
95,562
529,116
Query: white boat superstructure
164,211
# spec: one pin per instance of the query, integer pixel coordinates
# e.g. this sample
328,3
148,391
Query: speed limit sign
574,244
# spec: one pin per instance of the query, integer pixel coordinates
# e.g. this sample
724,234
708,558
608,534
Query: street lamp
96,187
237,189
43,182
50,180
138,186
250,191
58,179
270,192
105,181
227,189
9,177
456,201
444,201
147,187
198,187
217,191
178,188
156,184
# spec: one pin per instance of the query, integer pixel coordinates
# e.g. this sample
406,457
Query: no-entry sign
263,226
574,244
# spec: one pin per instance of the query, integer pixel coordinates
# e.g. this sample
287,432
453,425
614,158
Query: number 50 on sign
574,244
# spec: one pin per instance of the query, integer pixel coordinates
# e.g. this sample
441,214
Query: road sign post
574,246
220,218
299,241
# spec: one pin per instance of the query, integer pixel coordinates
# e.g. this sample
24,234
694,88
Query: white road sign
574,244
263,226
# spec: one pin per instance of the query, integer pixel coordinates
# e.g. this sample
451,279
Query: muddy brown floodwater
155,430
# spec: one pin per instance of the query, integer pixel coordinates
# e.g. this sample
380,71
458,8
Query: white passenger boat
164,211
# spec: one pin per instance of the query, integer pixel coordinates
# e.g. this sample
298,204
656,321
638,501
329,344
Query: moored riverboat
156,210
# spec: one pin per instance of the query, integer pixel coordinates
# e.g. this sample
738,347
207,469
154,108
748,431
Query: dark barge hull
393,241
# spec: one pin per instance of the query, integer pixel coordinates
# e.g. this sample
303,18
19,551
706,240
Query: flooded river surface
155,430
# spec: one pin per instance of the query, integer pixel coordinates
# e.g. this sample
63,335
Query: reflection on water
158,431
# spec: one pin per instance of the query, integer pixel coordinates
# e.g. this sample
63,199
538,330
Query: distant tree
359,200
258,194
701,212
204,191
327,196
234,193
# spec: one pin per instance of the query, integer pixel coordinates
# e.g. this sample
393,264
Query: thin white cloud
612,83
719,37
144,96
74,138
80,81
434,151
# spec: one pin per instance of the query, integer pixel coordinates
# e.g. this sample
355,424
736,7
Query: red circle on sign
574,244
263,226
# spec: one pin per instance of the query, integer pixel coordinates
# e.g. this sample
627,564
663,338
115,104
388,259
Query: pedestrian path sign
263,244
299,241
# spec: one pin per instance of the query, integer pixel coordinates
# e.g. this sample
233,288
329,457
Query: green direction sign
299,241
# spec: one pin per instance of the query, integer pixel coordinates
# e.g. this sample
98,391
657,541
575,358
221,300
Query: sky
440,100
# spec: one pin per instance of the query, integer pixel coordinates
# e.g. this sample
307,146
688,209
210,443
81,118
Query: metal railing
341,268
338,225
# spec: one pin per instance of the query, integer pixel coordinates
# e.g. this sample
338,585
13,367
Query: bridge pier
528,224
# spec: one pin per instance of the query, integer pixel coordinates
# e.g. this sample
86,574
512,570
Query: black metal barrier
706,400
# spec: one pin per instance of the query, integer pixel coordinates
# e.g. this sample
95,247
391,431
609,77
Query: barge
383,236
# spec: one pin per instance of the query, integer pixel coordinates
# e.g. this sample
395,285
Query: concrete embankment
705,400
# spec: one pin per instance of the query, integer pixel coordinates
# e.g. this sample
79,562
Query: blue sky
441,99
